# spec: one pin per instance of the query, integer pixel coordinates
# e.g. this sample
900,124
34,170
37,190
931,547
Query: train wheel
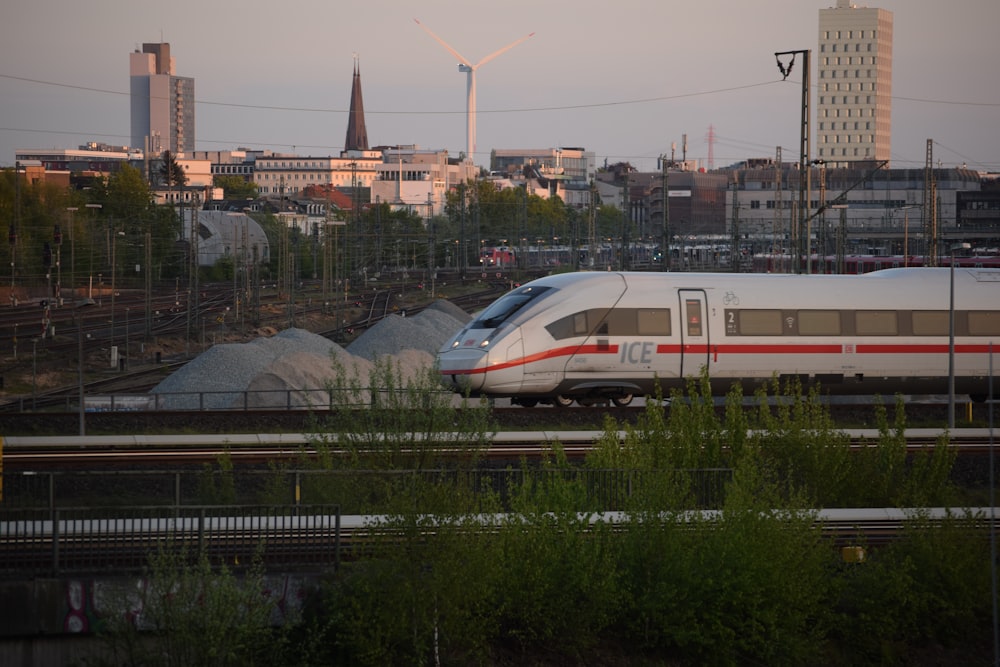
622,401
562,401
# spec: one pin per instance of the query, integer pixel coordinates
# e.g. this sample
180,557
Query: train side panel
624,345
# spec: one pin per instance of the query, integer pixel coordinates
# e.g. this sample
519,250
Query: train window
760,322
569,326
984,323
653,322
876,323
504,308
930,322
622,322
693,316
577,324
819,322
612,322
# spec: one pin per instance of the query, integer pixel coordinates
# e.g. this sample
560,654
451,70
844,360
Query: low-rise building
417,179
287,175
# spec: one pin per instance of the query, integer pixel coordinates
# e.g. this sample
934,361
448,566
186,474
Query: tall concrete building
162,103
854,113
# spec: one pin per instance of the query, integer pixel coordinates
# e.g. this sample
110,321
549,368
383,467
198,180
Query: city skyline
624,80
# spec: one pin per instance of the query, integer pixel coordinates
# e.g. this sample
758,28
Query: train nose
464,368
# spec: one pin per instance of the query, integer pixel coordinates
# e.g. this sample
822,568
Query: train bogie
605,337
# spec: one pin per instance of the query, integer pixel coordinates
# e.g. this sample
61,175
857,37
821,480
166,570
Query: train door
694,331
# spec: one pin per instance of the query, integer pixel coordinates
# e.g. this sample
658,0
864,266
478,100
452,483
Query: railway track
100,329
54,452
56,414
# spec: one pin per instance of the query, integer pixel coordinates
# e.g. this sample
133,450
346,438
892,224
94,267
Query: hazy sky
623,78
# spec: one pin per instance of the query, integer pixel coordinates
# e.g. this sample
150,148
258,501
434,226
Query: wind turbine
470,69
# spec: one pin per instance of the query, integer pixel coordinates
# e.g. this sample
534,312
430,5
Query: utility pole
358,246
777,224
462,251
930,217
804,171
148,288
822,206
734,244
72,251
592,227
821,211
626,220
665,241
325,278
12,235
195,234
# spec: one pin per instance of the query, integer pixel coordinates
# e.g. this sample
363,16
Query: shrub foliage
692,541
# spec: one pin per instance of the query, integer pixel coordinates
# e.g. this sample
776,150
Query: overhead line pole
804,168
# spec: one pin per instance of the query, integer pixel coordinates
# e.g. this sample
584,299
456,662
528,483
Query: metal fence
596,489
36,542
102,522
336,398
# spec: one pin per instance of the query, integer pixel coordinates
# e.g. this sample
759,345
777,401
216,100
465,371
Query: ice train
595,336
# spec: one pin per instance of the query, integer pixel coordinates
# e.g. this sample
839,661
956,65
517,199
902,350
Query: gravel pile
426,331
292,367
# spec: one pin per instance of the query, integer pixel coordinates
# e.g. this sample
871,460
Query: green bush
546,569
187,614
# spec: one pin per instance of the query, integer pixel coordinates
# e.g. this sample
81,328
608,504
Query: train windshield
506,306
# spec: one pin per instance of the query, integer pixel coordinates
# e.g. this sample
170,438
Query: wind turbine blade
504,49
443,43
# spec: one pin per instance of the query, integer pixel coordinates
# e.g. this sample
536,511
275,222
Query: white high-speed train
589,337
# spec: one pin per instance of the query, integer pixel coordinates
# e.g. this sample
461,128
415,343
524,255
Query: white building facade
854,110
418,180
288,175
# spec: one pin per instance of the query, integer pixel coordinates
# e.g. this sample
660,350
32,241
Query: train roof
912,287
908,274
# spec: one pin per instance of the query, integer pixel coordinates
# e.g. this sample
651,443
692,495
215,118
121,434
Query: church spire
357,135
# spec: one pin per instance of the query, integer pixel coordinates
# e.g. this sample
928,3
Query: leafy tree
171,173
31,211
235,187
128,211
127,194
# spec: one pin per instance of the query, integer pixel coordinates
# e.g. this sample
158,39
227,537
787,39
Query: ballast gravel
293,367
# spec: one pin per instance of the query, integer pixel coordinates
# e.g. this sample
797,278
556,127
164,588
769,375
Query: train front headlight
489,339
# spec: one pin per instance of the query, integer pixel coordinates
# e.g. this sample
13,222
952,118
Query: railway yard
92,488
